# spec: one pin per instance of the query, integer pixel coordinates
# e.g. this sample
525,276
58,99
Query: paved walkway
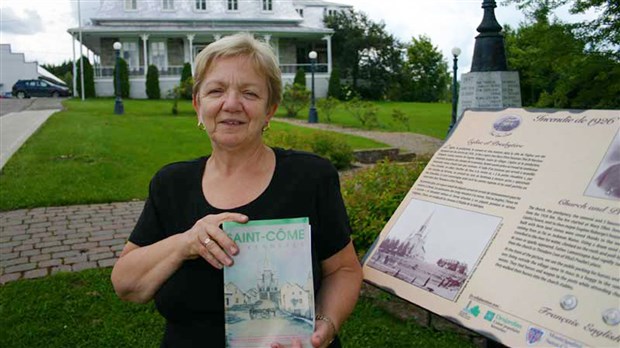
42,241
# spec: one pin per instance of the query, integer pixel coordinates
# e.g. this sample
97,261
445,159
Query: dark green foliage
152,83
181,92
295,98
363,111
556,69
300,78
89,79
334,89
329,146
601,33
124,78
186,75
326,108
64,71
426,72
399,117
367,54
372,196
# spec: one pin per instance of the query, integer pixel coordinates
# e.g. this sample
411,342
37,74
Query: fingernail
233,250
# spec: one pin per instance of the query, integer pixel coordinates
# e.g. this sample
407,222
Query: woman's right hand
207,240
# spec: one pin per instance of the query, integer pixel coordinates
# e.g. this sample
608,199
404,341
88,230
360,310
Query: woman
177,250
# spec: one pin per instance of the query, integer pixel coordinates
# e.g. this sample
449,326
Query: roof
319,3
49,76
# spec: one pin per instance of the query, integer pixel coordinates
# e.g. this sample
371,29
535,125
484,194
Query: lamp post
313,116
118,104
455,53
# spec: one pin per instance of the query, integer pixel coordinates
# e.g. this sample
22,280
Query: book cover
269,292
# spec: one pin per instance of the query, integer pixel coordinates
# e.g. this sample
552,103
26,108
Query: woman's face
232,103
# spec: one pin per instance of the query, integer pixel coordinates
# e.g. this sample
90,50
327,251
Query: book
269,291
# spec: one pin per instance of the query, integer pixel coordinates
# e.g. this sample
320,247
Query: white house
14,67
294,299
233,296
169,33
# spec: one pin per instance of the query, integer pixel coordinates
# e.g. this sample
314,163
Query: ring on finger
207,241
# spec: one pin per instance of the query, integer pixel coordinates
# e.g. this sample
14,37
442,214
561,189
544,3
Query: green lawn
81,310
431,119
86,154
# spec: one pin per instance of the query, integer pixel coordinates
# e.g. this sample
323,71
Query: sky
38,28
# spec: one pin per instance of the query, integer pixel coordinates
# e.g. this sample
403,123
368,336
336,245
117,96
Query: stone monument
489,84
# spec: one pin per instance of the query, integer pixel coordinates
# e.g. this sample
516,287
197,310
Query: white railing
107,71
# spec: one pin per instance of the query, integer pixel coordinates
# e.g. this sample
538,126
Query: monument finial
489,50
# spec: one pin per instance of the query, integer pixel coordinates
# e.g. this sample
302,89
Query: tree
426,71
367,55
124,77
186,75
89,79
556,69
300,78
152,83
602,33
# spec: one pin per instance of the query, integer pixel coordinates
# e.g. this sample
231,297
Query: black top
192,299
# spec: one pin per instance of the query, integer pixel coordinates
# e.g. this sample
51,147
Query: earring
200,126
266,127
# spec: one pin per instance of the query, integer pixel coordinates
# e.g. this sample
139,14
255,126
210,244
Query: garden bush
89,79
152,83
363,111
399,117
124,77
300,77
334,89
186,75
294,99
332,147
326,108
372,195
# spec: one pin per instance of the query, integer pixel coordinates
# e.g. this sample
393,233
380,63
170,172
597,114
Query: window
267,5
130,54
233,5
300,11
167,4
131,4
201,5
158,56
329,12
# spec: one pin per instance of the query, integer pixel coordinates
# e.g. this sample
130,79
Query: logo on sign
533,335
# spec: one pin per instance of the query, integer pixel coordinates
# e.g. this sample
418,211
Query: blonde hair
241,44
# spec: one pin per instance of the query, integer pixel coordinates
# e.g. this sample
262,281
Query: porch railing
103,71
107,71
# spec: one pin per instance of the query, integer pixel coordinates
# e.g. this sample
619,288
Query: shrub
152,83
124,72
89,79
363,111
334,89
179,91
372,195
326,107
398,116
294,99
186,75
300,77
331,147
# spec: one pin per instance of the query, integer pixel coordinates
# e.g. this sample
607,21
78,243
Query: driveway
9,105
19,119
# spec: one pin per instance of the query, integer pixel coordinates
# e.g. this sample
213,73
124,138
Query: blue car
38,88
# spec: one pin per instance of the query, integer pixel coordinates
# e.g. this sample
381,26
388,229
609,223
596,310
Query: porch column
74,67
267,38
217,36
328,38
190,38
145,38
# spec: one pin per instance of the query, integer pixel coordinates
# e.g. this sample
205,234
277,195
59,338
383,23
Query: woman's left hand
321,338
